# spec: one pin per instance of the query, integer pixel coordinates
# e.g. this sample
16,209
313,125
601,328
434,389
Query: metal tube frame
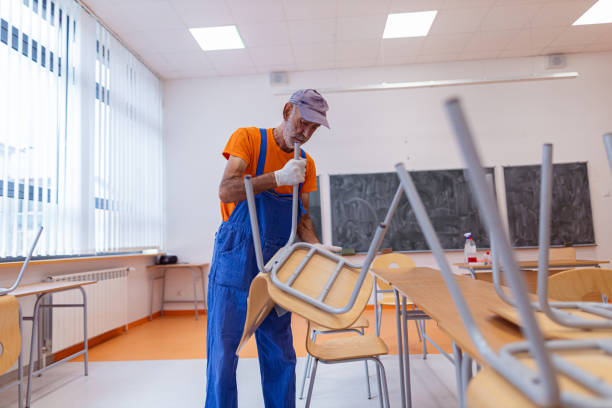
383,393
5,291
540,386
279,259
34,319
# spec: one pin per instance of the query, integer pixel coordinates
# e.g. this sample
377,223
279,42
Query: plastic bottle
469,250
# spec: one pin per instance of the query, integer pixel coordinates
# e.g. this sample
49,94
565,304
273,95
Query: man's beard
290,135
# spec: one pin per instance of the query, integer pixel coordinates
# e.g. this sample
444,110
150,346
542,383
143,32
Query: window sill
80,259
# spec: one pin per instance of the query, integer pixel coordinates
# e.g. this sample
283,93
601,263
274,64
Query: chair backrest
580,284
392,261
562,254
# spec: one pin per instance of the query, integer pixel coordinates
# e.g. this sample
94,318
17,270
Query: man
267,155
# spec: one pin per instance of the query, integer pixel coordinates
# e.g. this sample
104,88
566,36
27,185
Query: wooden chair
394,261
10,341
263,295
358,327
581,284
488,389
348,349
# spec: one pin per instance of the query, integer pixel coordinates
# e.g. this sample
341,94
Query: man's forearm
306,230
232,190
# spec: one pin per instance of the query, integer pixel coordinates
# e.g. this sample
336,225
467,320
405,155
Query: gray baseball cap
312,106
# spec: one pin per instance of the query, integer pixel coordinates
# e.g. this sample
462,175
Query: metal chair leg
312,378
385,395
380,387
307,366
20,364
308,358
416,323
367,372
423,330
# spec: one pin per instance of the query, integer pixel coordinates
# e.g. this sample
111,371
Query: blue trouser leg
225,321
226,316
276,360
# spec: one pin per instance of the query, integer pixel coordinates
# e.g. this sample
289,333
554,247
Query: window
4,31
34,51
25,46
15,39
42,136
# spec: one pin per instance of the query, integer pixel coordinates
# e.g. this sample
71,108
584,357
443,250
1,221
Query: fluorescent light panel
599,13
217,38
400,25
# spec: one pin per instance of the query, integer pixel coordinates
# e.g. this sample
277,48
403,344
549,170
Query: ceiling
299,35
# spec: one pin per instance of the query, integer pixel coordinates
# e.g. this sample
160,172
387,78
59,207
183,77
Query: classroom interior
113,118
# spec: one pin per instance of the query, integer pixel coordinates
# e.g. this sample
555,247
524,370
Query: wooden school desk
426,288
166,268
40,290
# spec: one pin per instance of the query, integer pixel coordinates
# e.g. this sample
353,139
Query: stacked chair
571,372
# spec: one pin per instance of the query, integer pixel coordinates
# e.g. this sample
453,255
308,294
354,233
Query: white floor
180,383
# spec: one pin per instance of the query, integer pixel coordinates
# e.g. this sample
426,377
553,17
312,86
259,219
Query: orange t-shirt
245,143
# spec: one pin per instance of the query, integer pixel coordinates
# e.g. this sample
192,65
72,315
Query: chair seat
388,299
361,323
346,348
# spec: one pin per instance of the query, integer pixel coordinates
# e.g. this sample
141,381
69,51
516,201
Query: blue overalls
233,268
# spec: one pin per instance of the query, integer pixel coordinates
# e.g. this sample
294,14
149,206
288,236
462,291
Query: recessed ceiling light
599,13
217,38
409,24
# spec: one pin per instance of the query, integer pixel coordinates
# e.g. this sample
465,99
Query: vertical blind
80,135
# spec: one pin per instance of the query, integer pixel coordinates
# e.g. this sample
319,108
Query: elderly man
267,155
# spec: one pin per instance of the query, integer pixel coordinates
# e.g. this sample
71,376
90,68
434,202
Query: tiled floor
162,363
180,383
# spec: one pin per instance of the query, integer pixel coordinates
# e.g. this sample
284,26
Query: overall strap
261,161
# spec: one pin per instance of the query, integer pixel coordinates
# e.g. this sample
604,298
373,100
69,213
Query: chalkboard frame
535,178
399,244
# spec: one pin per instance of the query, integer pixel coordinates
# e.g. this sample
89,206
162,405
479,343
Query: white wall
373,130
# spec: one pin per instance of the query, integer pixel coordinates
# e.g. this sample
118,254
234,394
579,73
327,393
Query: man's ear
287,110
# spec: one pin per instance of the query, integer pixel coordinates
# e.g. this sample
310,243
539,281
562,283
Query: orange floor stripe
182,337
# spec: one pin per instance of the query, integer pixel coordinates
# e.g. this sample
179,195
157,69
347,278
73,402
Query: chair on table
551,373
581,284
348,349
394,261
358,327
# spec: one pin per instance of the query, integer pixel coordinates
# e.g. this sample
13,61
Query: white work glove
294,172
330,248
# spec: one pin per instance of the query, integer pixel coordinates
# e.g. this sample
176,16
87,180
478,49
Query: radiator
106,307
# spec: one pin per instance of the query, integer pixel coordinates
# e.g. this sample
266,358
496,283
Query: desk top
178,265
426,288
557,263
45,287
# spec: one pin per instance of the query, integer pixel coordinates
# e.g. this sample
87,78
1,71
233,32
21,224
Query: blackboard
571,218
314,209
359,203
